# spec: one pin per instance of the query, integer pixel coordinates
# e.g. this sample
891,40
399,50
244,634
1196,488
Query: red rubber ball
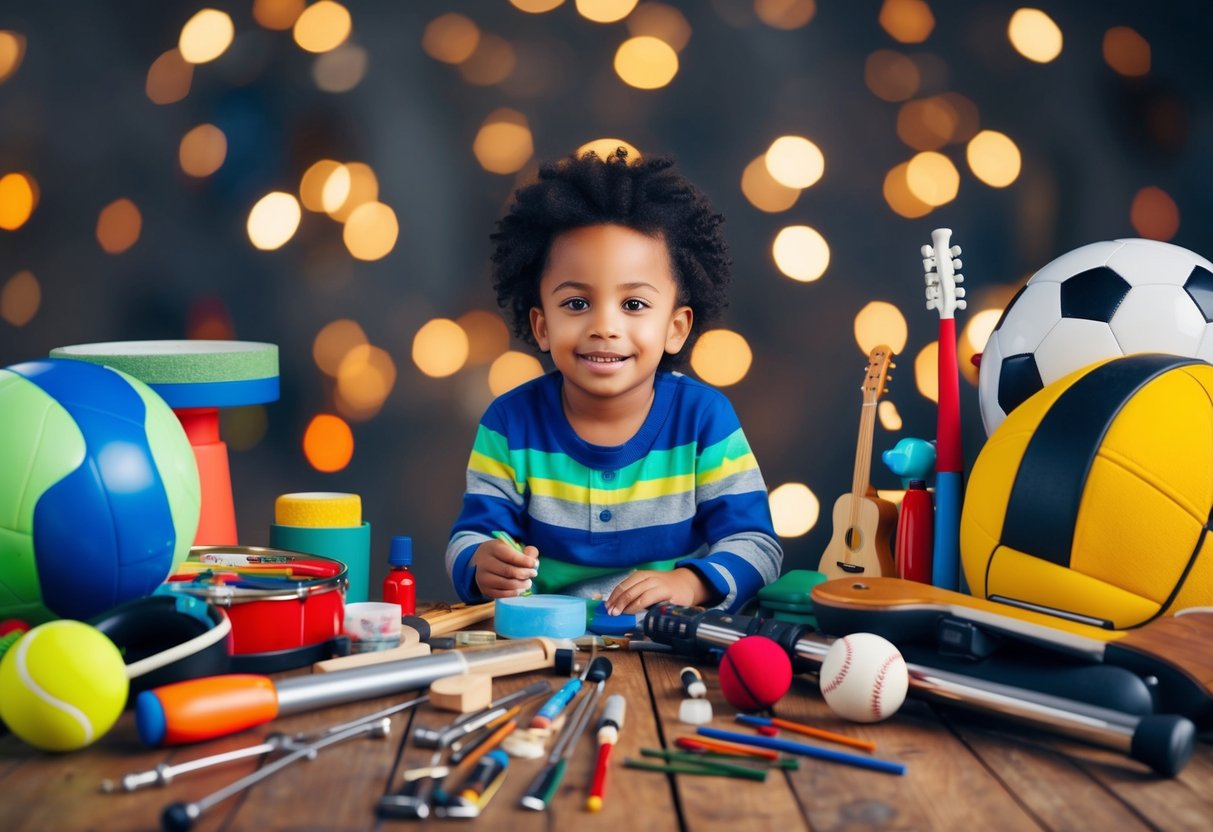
755,673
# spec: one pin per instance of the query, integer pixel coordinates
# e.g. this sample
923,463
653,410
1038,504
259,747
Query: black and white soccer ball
1099,301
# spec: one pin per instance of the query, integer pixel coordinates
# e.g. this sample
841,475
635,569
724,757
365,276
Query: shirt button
604,515
608,475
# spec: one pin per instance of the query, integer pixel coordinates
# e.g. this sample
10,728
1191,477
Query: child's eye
634,305
576,304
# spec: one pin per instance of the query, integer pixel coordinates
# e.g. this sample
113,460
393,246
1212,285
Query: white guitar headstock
941,264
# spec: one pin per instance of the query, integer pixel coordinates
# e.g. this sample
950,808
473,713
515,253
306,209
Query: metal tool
540,792
164,774
551,709
178,817
441,737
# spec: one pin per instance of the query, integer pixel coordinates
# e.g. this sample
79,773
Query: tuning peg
932,303
962,304
959,292
927,251
957,265
892,365
958,278
955,251
928,265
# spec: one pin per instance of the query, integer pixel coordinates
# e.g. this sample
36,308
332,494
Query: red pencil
608,735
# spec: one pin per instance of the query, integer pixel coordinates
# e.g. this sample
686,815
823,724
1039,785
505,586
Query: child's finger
526,559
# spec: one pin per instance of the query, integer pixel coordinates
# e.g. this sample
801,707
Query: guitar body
860,547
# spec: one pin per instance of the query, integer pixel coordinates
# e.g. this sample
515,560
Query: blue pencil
829,754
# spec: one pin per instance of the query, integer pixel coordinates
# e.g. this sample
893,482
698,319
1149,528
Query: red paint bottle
399,586
915,534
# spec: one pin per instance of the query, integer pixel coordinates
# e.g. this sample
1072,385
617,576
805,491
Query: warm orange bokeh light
1154,214
118,226
328,443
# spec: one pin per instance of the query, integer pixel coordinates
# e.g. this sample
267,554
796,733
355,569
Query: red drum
277,599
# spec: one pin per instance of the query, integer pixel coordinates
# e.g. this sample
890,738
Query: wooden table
965,772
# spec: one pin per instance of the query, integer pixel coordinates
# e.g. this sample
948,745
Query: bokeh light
20,298
536,6
313,182
979,328
605,11
795,509
491,62
365,378
801,253
340,70
362,187
785,14
646,63
880,322
661,21
1154,214
890,417
440,348
202,150
169,78
898,195
891,76
503,144
994,158
243,428
12,50
762,191
206,36
371,231
926,371
273,220
334,342
605,148
328,443
795,162
906,21
1127,52
323,26
278,15
933,178
721,357
1035,35
511,369
488,336
450,38
18,197
118,226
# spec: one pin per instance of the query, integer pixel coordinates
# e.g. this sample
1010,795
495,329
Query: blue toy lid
401,553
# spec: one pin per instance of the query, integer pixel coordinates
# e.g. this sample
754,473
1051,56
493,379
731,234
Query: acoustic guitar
863,522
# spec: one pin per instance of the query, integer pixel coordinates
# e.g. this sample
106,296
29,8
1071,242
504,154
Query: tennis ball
62,685
864,678
755,673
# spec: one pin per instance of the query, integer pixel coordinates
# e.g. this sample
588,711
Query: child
634,483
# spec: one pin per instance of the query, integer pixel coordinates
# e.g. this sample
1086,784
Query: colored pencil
807,730
827,754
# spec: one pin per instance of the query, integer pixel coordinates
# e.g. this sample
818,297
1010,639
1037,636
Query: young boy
633,482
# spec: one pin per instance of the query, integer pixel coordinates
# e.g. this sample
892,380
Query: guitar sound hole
853,539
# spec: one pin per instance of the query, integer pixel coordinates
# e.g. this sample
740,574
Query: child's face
609,309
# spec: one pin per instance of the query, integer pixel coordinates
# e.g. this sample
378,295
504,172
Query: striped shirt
684,491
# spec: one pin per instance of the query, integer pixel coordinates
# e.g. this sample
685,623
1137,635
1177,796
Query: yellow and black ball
1092,499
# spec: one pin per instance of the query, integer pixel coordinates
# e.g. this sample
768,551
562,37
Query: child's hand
502,571
646,587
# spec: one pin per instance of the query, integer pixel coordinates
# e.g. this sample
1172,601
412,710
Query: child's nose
606,323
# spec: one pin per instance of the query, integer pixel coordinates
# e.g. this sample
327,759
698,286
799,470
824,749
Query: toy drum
278,600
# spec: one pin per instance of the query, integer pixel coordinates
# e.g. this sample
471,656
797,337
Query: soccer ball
1099,301
99,492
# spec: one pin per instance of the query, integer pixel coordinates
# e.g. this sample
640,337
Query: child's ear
539,328
680,329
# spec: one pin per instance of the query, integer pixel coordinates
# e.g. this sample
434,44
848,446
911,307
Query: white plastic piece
695,711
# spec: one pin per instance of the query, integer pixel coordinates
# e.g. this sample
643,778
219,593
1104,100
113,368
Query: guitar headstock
941,266
880,361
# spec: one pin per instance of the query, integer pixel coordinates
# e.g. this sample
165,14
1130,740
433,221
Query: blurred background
324,176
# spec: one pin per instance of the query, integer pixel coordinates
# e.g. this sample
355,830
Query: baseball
864,678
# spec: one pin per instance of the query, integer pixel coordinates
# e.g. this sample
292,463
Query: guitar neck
949,457
863,451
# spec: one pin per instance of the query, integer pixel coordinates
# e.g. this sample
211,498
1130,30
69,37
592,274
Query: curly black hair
646,195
